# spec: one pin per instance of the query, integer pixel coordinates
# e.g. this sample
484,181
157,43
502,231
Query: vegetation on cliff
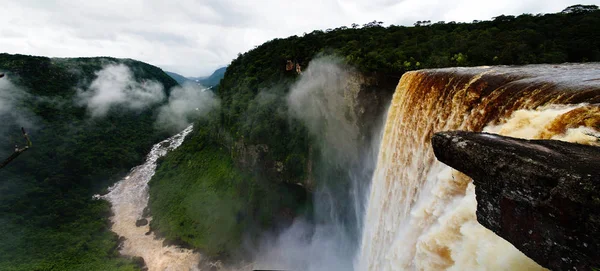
386,53
210,202
213,79
178,77
48,219
254,112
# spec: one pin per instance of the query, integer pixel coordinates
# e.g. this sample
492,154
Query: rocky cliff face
421,214
363,99
543,196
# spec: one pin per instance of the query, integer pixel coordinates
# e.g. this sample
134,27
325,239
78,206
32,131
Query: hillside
213,79
178,77
259,131
81,145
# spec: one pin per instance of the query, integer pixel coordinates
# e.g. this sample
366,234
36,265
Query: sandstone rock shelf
543,196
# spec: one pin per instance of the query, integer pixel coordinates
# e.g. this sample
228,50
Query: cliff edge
543,196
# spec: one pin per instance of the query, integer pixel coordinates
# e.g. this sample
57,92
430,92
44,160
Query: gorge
421,214
313,152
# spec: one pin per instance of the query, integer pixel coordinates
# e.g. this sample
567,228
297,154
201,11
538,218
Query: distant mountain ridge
253,134
207,81
211,80
178,77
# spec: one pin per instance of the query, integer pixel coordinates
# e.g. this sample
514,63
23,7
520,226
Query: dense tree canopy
387,52
254,109
48,220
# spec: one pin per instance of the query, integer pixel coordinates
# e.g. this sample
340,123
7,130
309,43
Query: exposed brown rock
543,196
140,263
141,222
289,65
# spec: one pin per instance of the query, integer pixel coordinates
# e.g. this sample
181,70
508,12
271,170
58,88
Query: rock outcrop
141,222
543,196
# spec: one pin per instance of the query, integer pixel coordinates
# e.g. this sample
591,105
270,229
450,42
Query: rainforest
310,152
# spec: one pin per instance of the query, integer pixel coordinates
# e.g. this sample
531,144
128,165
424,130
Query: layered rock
543,196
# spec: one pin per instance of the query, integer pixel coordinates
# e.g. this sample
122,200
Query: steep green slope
386,53
48,219
213,79
178,77
209,201
254,113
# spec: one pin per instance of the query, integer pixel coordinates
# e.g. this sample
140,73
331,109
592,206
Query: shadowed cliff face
543,196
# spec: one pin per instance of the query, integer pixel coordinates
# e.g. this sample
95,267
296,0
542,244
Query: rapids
420,213
129,197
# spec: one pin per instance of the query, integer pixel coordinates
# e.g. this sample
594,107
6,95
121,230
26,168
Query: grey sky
194,38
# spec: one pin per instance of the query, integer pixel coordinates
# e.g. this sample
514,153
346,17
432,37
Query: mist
11,101
115,85
324,99
186,104
13,115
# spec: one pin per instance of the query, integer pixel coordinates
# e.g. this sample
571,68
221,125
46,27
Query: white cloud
195,37
186,104
12,109
322,99
115,86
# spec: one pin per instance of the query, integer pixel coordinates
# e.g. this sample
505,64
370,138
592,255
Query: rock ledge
543,196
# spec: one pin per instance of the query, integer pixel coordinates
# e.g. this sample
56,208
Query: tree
580,9
503,18
423,23
460,59
374,23
18,150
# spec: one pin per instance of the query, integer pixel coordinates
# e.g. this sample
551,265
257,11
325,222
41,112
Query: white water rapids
420,213
129,197
440,231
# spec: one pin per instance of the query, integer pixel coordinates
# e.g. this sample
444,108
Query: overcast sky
194,38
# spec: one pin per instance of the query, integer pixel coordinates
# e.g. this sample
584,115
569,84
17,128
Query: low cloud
10,99
13,114
305,246
114,86
186,104
12,104
323,99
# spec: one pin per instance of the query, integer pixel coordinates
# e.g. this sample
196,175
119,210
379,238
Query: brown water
421,213
129,197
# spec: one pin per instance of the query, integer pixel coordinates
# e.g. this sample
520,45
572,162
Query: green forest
48,219
380,53
206,195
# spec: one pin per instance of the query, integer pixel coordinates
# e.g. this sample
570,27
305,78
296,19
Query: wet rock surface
141,222
140,263
543,196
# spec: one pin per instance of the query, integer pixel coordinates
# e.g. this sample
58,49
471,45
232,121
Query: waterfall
129,197
421,213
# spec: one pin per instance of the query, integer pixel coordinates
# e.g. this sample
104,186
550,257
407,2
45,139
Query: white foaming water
421,214
439,230
129,197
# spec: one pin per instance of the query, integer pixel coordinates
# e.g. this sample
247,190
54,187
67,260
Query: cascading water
421,213
129,197
325,99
